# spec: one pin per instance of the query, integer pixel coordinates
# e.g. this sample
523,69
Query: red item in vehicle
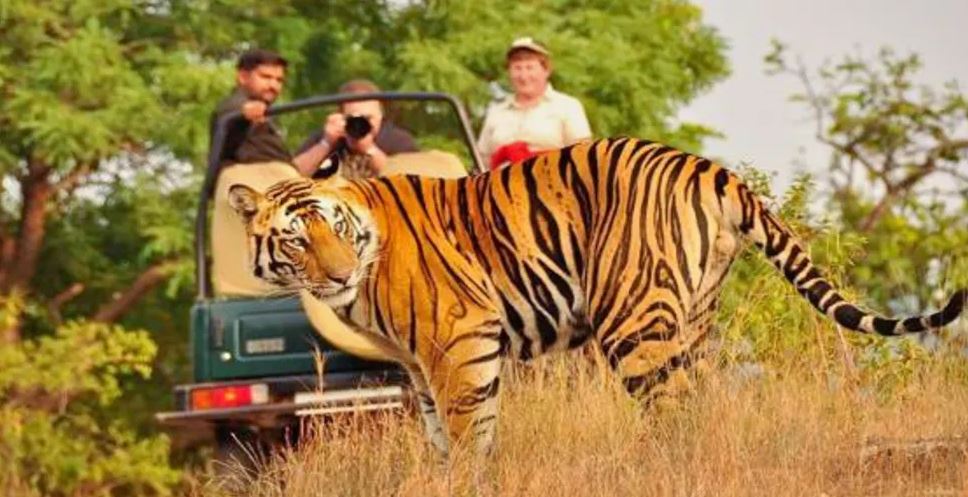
512,152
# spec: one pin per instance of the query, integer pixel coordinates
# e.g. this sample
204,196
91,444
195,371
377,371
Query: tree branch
948,146
850,150
876,213
813,98
69,182
144,283
894,191
902,187
55,304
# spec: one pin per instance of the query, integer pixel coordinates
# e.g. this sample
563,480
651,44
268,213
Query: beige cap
527,43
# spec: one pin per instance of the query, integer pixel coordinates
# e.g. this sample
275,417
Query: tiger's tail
781,246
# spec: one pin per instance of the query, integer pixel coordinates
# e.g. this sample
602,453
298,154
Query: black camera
357,126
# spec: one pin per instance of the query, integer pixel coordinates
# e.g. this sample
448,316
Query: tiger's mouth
339,295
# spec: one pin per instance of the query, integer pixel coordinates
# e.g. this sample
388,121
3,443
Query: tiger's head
304,234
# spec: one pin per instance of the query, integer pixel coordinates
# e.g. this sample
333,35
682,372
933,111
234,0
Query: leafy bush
767,325
59,399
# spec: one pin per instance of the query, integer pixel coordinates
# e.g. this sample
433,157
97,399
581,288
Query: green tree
898,170
88,88
892,225
633,66
102,102
57,432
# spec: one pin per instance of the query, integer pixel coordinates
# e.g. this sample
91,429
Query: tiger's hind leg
654,356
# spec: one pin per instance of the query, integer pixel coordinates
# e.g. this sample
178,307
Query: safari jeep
263,362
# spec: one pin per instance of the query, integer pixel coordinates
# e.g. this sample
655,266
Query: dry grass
567,430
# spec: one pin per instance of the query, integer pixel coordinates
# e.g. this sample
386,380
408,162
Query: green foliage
115,227
898,197
891,365
897,173
653,57
79,357
765,322
103,102
57,433
84,80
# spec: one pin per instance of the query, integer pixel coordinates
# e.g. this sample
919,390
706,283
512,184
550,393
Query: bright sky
751,108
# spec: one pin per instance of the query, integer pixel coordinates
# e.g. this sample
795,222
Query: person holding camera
358,137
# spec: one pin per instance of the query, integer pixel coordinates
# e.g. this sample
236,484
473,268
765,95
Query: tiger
622,241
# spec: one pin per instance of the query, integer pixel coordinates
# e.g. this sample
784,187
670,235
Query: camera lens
357,126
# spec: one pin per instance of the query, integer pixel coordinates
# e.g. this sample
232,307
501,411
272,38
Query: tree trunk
36,190
8,247
21,265
144,283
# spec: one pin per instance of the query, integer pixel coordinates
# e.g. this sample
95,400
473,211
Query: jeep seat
230,275
431,163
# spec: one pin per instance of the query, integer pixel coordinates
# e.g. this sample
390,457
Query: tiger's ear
244,200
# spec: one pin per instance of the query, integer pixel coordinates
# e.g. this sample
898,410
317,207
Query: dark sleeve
236,130
395,140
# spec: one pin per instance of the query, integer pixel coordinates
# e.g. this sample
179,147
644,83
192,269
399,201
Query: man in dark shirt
254,138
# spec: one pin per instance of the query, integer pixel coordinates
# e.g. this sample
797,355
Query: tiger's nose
341,277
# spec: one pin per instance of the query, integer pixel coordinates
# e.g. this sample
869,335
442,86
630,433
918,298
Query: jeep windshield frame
202,276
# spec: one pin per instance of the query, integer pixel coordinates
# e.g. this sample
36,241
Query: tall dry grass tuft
567,429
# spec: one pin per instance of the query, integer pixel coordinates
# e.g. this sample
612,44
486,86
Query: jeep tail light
230,396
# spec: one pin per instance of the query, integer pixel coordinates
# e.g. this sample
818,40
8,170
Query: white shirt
556,121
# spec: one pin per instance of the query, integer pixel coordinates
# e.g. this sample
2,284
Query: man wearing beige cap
536,117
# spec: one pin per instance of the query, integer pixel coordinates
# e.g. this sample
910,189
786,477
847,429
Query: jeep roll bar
203,285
